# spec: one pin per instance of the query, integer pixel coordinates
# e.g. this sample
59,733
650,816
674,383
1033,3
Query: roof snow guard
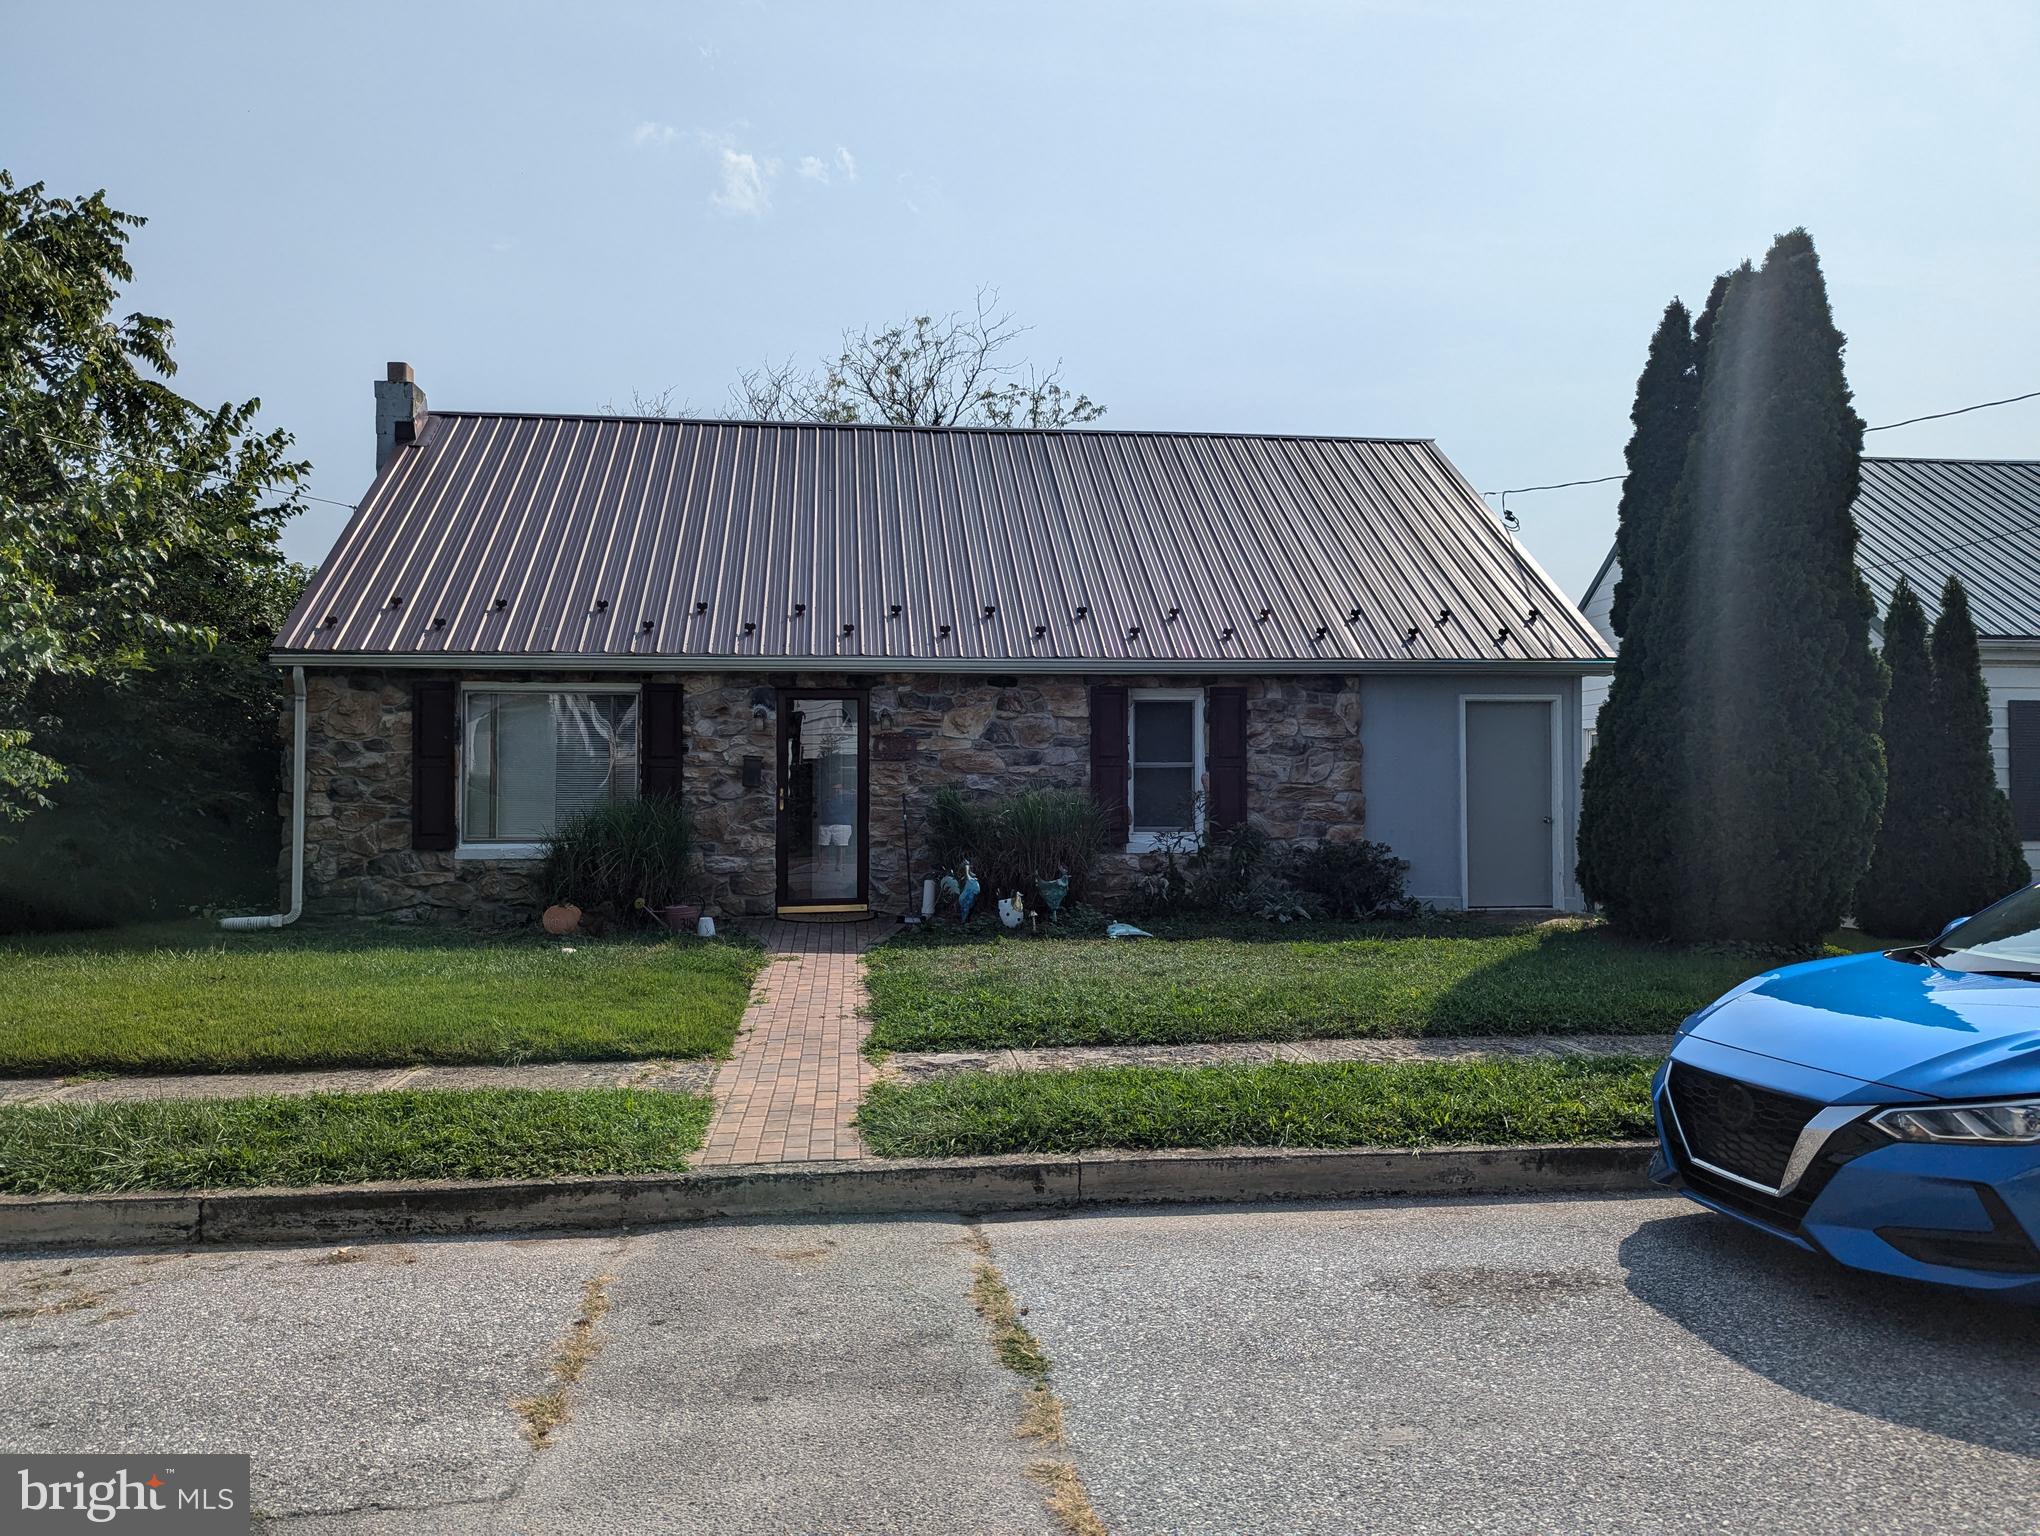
583,541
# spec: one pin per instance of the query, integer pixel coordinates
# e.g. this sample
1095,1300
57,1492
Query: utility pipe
297,817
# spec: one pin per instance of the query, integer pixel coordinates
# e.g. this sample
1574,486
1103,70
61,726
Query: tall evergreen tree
1981,859
1624,812
1785,771
1629,815
1896,898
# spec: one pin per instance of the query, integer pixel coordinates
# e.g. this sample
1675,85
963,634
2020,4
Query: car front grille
1736,1126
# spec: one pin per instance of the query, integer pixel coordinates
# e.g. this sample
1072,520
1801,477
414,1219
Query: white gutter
297,817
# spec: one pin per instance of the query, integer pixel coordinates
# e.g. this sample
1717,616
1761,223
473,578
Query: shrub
616,853
1352,879
1016,841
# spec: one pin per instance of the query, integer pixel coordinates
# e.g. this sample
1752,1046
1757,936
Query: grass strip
346,1138
184,998
1285,1104
944,992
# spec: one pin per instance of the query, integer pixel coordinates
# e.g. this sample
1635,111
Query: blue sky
1455,221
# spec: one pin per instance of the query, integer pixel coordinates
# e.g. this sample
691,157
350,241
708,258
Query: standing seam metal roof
562,537
1974,518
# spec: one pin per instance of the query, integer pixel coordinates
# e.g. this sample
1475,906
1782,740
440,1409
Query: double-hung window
531,757
1165,759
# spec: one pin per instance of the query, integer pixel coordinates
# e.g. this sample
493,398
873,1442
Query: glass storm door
822,800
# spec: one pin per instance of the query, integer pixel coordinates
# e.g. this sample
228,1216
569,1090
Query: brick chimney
399,412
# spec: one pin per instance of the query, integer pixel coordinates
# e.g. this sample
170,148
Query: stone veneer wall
928,731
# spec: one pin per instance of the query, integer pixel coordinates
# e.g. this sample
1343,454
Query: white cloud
743,188
842,165
651,135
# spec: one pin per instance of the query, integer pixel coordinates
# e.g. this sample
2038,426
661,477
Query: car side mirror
1950,926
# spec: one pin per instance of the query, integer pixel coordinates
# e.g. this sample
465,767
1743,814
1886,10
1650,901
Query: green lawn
190,998
346,1138
1288,1104
943,991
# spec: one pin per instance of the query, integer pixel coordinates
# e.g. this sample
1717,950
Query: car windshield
2003,937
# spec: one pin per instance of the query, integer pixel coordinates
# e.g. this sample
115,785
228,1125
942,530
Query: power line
1961,410
1923,554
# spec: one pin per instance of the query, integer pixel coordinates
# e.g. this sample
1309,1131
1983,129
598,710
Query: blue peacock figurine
967,893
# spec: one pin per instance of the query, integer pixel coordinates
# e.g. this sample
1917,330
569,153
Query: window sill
502,852
1154,842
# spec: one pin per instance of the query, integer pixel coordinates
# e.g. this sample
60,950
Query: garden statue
1053,892
1013,909
967,894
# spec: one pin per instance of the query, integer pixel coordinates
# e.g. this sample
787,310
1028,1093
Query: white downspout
297,817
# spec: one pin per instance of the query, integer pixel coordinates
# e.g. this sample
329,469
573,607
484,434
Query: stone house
804,631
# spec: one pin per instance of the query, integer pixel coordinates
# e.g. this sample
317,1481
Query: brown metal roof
607,539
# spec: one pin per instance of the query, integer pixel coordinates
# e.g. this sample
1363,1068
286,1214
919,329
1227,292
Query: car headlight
2014,1120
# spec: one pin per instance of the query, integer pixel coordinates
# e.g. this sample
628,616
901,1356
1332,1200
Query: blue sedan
1883,1109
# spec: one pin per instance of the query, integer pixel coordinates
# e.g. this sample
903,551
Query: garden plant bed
190,998
1284,1104
183,1144
946,990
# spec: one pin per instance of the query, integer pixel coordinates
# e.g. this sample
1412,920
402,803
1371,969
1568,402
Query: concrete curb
871,1186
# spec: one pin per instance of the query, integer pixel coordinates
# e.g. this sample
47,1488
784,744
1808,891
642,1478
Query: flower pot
681,917
562,919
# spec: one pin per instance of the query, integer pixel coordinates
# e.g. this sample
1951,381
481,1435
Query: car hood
1910,1026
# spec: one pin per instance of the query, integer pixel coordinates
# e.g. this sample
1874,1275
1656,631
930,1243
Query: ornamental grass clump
617,853
1014,842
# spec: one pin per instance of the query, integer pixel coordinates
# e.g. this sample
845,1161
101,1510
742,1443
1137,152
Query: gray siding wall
1409,739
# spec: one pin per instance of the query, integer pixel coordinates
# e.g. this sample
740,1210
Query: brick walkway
791,1089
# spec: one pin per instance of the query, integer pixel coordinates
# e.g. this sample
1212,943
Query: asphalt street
1610,1365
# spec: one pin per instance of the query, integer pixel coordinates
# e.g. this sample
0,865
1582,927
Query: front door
823,800
1508,808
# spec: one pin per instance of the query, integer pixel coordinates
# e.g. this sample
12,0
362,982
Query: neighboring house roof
1929,519
620,539
1974,518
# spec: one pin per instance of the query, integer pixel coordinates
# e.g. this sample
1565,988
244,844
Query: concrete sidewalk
668,1076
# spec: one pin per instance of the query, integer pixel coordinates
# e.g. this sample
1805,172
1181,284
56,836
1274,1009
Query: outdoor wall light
700,606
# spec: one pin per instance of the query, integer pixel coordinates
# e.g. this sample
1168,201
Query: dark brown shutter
662,738
1225,711
1108,760
435,732
2022,721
